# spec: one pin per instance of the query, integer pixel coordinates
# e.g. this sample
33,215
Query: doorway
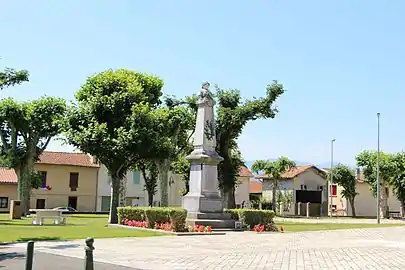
40,204
72,202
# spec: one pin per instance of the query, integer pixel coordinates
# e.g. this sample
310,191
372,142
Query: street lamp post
378,168
331,176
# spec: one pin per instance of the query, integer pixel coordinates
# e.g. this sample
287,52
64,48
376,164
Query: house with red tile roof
68,179
299,184
8,188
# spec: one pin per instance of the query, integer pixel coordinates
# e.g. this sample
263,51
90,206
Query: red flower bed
267,228
199,228
164,226
134,223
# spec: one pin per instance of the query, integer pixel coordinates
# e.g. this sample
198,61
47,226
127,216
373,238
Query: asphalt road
45,261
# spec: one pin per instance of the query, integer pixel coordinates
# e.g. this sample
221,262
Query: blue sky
341,61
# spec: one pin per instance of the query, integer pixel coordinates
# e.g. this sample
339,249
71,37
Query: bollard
30,255
88,259
307,209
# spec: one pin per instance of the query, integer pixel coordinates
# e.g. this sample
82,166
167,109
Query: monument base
207,211
215,220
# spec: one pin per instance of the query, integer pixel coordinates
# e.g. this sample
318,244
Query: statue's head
205,86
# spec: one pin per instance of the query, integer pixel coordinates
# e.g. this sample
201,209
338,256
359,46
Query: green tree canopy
274,170
26,130
10,77
118,120
367,160
233,113
345,177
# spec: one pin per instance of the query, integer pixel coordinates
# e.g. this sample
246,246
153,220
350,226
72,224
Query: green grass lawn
302,227
77,227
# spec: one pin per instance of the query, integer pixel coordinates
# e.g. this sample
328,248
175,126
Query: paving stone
379,248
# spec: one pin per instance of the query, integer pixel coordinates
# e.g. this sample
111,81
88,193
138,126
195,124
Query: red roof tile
245,172
294,171
8,176
64,158
255,186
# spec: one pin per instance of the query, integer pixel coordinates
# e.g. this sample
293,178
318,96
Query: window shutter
136,177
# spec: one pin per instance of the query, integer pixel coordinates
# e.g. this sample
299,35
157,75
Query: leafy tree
10,77
175,139
368,161
274,170
345,177
181,166
117,119
397,179
233,113
26,129
150,174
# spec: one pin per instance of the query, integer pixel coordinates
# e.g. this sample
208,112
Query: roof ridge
64,152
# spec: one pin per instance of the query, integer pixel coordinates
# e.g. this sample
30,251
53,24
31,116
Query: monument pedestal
203,201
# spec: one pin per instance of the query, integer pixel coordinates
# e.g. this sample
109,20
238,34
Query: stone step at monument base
209,215
214,223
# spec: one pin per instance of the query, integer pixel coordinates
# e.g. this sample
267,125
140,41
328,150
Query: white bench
42,214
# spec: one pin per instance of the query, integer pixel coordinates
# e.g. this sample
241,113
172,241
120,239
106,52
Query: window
74,181
43,179
3,202
334,190
136,177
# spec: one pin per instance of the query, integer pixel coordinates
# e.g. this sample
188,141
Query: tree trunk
25,190
115,195
403,209
123,193
229,198
164,168
150,197
274,196
351,201
25,171
383,202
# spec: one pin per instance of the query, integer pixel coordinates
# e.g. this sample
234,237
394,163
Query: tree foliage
345,177
26,130
150,173
391,173
10,77
274,170
233,113
119,119
116,121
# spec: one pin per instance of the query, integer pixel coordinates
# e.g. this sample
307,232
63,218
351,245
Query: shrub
154,215
234,213
178,218
131,213
252,217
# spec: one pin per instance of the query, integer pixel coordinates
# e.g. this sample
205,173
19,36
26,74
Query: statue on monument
205,90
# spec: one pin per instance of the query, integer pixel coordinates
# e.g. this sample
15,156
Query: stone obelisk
203,201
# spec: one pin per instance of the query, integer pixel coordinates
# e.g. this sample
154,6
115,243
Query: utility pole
331,176
378,168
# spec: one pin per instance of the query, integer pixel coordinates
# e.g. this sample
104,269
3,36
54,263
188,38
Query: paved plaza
380,248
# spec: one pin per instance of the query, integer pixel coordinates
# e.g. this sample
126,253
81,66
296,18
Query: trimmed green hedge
176,216
252,217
